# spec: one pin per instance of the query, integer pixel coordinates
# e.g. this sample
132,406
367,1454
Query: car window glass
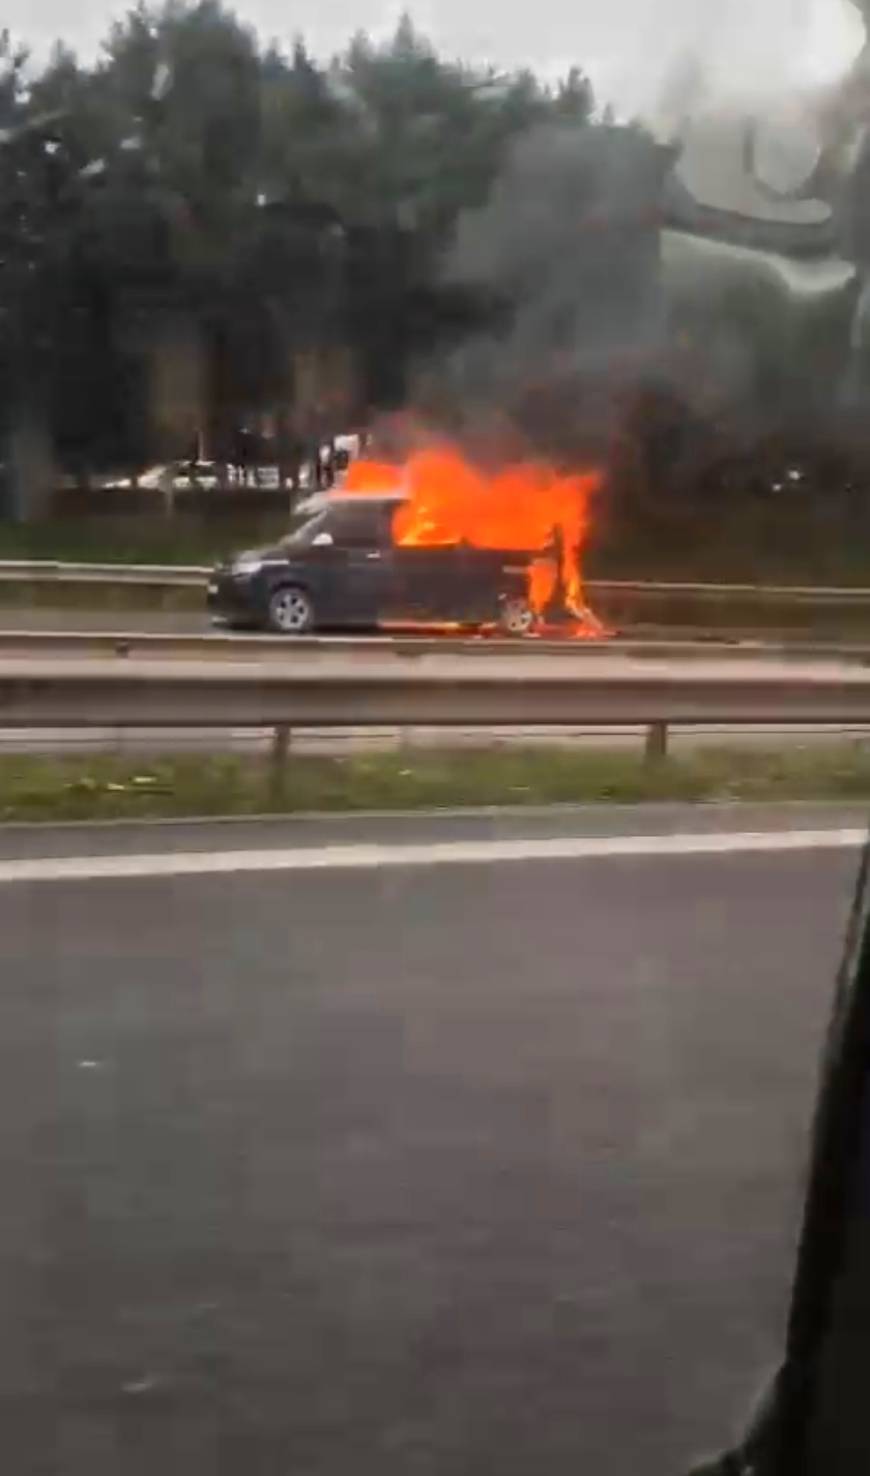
304,528
359,526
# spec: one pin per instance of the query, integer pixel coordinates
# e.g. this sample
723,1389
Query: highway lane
44,621
470,1168
492,823
607,663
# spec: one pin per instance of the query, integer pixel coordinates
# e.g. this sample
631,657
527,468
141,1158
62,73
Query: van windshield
358,523
304,528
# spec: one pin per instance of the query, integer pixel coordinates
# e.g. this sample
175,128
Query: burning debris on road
528,507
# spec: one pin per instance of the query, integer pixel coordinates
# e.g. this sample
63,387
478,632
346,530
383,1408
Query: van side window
358,527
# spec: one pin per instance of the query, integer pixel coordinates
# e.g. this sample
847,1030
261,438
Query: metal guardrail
441,692
195,574
776,593
219,645
18,571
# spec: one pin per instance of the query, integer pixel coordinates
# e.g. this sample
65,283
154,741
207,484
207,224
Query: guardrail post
278,761
656,745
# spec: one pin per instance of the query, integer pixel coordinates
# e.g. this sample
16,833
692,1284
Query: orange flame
528,507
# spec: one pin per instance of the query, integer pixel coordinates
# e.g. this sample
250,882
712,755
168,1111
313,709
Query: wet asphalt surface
467,1170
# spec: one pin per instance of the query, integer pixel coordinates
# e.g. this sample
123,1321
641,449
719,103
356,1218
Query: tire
517,618
291,611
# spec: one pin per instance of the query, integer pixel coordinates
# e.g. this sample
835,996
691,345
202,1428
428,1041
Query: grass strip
95,787
137,540
93,599
763,543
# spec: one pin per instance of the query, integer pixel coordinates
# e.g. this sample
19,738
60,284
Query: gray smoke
743,124
567,246
662,58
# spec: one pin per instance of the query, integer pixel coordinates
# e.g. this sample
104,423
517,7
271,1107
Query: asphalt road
461,1169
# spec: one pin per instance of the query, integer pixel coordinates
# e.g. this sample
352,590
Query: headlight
247,565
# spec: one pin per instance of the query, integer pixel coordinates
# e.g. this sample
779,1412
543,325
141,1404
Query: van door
363,567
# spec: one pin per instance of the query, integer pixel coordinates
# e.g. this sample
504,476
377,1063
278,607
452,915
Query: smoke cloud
570,241
567,244
651,55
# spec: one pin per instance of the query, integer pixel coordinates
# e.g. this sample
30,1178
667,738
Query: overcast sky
627,46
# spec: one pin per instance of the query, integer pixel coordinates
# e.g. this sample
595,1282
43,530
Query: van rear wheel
517,617
291,611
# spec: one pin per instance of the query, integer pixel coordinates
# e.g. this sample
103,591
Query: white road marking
372,857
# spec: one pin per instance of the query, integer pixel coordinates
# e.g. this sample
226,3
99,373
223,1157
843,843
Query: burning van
339,567
432,542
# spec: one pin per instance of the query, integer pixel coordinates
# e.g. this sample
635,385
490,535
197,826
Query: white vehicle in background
349,445
178,476
170,476
260,478
346,448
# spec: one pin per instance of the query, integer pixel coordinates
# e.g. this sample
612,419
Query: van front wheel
291,611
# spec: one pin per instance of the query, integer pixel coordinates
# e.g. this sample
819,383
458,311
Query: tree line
206,241
200,234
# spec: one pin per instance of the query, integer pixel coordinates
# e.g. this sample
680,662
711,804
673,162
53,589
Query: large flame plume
527,507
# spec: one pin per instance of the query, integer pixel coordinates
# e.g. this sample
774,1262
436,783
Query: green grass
97,599
101,787
137,539
798,540
806,541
